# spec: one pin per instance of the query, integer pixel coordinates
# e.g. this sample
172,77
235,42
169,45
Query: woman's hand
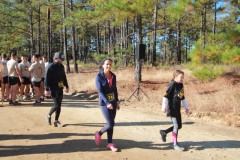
110,106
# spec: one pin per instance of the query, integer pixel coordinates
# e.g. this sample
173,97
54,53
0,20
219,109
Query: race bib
110,97
60,84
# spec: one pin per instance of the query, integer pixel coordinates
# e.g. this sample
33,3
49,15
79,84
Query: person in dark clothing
55,80
172,106
108,101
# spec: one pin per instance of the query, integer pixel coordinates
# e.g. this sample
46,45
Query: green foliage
221,48
85,65
208,72
207,63
99,57
231,56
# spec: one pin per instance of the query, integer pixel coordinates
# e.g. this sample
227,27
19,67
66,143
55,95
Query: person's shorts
26,80
5,80
14,80
36,84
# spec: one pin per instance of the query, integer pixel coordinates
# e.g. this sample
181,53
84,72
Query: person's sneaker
48,119
16,103
57,124
177,147
25,98
48,97
163,135
42,98
97,138
20,98
112,147
37,103
10,102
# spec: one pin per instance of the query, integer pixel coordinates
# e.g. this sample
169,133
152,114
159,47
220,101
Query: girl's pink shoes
97,138
112,147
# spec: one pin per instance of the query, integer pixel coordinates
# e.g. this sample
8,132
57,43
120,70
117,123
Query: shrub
208,72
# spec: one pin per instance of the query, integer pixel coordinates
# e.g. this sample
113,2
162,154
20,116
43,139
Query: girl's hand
110,106
47,93
67,90
118,106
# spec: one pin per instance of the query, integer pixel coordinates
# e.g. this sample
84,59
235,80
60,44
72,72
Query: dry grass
220,97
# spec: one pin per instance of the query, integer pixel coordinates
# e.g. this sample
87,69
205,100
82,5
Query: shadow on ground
88,145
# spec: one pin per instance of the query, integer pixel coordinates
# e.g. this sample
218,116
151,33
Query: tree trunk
179,44
204,23
154,54
114,40
98,40
65,40
138,69
104,40
126,34
121,39
74,45
109,37
39,28
49,33
31,30
215,18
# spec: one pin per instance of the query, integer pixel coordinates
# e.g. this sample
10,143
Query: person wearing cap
55,80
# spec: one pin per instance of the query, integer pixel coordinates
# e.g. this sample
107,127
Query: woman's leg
109,116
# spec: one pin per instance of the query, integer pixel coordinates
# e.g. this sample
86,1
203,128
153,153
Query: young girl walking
171,105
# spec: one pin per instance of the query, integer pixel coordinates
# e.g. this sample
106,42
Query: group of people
52,79
22,79
18,77
109,104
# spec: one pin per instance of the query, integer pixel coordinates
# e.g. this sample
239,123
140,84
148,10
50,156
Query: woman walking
108,101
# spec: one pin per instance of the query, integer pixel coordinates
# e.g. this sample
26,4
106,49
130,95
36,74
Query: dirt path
24,134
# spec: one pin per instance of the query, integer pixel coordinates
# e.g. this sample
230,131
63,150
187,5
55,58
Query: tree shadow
70,146
88,145
78,99
143,123
41,137
82,96
204,145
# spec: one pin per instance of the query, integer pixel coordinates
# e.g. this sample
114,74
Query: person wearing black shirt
174,96
55,80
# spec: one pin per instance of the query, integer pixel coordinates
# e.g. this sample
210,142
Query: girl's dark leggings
109,115
57,101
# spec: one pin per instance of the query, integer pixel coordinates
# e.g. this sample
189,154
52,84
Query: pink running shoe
97,138
112,147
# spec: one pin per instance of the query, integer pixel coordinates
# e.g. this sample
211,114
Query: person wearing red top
108,101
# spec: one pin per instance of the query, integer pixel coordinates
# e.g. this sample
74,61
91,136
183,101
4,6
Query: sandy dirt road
24,134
